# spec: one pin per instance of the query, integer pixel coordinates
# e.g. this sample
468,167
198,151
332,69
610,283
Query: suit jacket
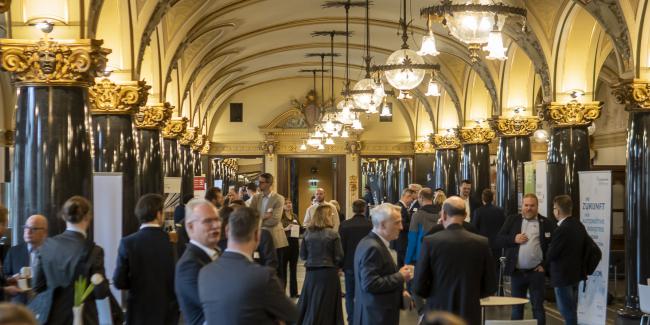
60,263
273,224
17,257
186,283
234,290
379,285
488,220
437,228
455,270
512,227
145,267
400,244
565,251
351,232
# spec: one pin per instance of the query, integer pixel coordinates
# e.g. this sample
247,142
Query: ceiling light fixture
476,22
404,68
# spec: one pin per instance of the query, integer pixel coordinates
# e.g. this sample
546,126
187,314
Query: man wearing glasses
24,255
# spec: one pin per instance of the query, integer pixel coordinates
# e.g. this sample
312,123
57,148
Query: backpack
591,256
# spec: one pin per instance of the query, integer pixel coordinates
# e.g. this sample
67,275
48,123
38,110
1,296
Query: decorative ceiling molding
162,7
94,11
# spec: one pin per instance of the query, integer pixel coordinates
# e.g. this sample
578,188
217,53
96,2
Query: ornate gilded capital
353,147
50,62
206,148
108,97
152,117
476,135
174,128
633,93
188,136
4,6
422,147
445,141
269,147
199,142
515,127
573,113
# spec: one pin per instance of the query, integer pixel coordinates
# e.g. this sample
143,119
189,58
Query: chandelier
365,93
475,23
404,68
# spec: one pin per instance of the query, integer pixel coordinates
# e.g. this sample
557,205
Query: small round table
492,301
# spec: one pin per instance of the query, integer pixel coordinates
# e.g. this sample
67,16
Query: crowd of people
234,256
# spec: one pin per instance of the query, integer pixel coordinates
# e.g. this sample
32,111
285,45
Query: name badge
547,234
415,209
256,255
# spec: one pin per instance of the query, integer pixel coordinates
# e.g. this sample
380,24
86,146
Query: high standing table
499,301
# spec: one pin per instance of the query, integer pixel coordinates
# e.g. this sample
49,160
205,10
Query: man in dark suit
488,220
401,243
204,229
471,202
234,290
145,267
564,258
351,232
455,268
525,238
415,204
24,255
379,283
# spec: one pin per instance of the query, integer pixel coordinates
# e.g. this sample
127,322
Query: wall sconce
45,26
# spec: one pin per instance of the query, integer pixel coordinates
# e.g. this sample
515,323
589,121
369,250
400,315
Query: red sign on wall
199,183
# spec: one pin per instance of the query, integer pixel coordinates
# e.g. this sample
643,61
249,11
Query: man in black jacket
204,229
564,258
234,290
455,268
351,232
471,202
488,220
401,243
145,267
525,238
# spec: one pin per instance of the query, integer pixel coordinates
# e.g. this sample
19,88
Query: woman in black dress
320,299
292,227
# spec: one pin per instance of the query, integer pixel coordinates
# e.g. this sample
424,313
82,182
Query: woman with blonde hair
320,299
340,214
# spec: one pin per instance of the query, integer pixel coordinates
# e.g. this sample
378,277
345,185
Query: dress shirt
76,228
265,202
248,257
149,225
559,222
213,253
468,209
530,253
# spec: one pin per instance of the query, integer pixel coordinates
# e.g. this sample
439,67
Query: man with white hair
204,229
379,283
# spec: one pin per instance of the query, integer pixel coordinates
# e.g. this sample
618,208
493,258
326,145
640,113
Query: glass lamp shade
404,79
356,124
379,90
540,136
472,27
344,115
385,111
428,45
303,147
433,89
495,48
344,134
329,141
363,101
372,109
318,134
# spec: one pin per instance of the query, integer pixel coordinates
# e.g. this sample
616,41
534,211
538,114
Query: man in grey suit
234,290
269,205
379,284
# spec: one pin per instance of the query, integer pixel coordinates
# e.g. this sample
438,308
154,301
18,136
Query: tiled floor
553,316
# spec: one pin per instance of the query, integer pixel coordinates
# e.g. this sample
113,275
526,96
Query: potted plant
83,289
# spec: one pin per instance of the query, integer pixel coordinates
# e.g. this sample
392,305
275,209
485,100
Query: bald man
19,256
461,262
319,199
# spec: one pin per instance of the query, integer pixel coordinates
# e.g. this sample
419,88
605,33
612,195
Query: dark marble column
149,120
187,160
634,94
514,149
172,131
112,106
569,143
52,158
476,157
446,164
